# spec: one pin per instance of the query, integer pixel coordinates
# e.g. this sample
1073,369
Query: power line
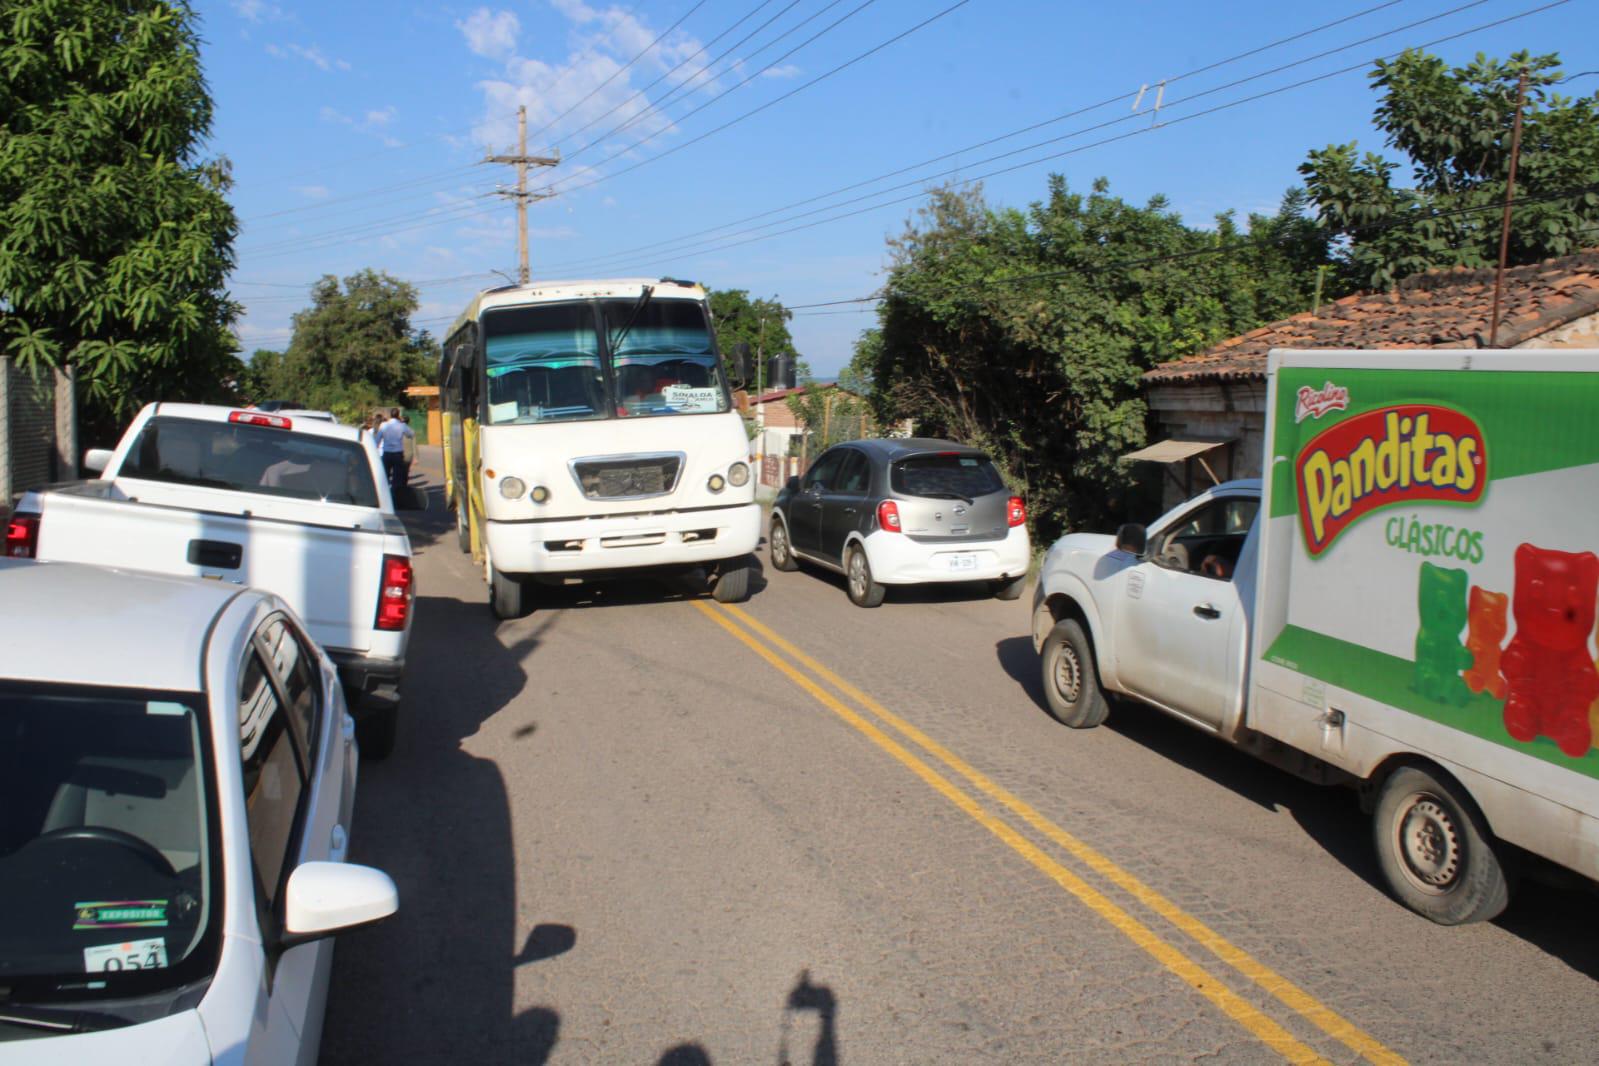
367,194
376,226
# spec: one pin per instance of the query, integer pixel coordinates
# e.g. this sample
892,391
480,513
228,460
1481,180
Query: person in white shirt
391,439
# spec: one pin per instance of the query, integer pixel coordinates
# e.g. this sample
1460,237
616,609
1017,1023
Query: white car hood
176,1040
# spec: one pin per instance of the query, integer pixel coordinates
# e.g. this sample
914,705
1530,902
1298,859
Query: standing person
408,446
391,437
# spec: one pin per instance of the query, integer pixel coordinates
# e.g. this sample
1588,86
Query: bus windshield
545,363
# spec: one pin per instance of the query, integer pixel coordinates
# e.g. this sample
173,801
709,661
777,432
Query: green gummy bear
1440,656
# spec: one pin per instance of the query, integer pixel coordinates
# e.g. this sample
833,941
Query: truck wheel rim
779,545
1427,841
857,575
1068,674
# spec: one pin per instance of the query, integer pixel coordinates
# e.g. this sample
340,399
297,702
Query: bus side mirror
741,362
464,356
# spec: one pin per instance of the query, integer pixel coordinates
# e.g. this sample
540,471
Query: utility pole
1510,197
521,160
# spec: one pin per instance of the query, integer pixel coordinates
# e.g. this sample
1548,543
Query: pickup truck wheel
1436,852
777,547
1071,680
1010,590
863,591
731,582
375,733
463,532
508,595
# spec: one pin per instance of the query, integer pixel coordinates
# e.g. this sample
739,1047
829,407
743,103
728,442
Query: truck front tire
1071,679
731,581
1437,854
508,595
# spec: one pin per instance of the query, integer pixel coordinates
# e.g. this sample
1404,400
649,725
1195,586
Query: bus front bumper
625,542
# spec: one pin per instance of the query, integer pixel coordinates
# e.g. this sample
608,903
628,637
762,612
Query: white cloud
258,11
380,118
373,122
313,55
787,70
491,34
312,192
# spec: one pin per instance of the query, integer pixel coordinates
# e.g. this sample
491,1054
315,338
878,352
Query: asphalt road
640,827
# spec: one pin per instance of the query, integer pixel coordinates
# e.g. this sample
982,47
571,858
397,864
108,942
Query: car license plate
148,954
963,561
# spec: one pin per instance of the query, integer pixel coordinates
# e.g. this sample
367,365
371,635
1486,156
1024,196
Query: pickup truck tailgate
327,572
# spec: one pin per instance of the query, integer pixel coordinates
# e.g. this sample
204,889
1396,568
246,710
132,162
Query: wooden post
1504,225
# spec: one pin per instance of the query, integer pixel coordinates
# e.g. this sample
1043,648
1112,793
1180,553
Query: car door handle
849,510
1205,610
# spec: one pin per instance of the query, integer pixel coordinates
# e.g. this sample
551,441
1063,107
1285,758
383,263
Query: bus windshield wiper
58,1020
644,298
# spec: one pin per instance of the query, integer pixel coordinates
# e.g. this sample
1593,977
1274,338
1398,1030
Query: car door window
821,475
274,781
294,663
853,473
1207,540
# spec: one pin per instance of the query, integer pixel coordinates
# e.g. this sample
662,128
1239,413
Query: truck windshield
107,831
545,363
255,459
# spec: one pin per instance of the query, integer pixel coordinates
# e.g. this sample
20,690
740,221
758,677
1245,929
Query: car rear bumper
363,675
896,559
625,542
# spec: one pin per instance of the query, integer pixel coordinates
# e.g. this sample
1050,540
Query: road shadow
1541,913
436,983
808,997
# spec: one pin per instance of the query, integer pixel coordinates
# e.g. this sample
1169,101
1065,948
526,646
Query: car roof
891,449
94,625
206,412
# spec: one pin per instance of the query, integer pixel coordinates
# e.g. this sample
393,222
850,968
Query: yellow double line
762,640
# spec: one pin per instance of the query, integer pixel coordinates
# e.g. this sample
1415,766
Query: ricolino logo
1313,403
1410,453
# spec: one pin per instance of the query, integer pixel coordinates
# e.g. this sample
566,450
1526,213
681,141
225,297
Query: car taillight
1016,512
888,516
256,418
22,536
394,596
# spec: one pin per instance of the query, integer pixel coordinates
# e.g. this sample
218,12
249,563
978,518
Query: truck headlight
540,494
738,475
512,488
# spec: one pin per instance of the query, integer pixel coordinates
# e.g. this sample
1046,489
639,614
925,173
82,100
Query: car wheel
1436,852
508,596
1071,679
778,548
375,731
463,531
731,582
863,591
1010,590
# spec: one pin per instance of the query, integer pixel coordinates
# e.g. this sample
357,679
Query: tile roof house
1212,405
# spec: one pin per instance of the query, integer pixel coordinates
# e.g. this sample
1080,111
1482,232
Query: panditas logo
1313,403
1410,453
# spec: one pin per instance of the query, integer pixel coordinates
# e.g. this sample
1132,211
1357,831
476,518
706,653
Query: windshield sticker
165,707
689,398
503,412
134,955
120,914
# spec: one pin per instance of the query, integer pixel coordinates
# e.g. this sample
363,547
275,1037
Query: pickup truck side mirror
792,484
95,460
1132,538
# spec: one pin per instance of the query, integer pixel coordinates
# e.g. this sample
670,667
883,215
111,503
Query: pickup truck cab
298,506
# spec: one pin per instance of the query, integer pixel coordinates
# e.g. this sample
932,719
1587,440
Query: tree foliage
353,349
1453,127
1026,332
762,324
115,237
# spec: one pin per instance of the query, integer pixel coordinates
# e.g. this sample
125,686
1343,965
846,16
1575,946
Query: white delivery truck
1405,602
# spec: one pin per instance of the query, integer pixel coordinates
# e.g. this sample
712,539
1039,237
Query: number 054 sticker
133,955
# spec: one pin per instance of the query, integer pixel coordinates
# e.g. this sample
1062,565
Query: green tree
762,324
354,348
1026,332
115,237
1453,127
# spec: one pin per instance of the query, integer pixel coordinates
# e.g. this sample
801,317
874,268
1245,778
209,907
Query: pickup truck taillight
394,595
22,536
1016,512
888,517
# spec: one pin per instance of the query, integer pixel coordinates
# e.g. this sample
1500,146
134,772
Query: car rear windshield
945,476
108,863
255,459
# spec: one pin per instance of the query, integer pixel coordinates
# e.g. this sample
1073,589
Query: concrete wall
1582,333
1233,411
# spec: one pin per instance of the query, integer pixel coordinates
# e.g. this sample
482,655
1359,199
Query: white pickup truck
297,506
1405,603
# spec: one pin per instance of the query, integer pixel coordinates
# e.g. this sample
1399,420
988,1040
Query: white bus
589,429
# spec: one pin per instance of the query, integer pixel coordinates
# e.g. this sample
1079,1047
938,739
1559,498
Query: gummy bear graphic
1593,712
1485,640
1439,654
1552,681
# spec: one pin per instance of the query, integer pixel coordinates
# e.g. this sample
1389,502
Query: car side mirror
741,362
95,460
792,484
1132,538
323,898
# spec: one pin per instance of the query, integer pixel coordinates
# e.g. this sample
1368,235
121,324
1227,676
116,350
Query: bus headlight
512,488
540,494
716,483
738,475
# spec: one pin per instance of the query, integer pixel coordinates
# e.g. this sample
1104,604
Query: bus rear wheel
1436,852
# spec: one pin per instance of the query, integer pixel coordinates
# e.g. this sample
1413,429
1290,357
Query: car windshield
261,460
545,363
951,475
107,836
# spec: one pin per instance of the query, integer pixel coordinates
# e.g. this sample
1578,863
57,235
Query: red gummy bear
1552,680
1485,638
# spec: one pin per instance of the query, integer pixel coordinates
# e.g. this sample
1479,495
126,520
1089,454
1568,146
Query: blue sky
355,129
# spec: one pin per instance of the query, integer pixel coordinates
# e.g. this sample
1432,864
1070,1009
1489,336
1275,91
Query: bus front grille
627,477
